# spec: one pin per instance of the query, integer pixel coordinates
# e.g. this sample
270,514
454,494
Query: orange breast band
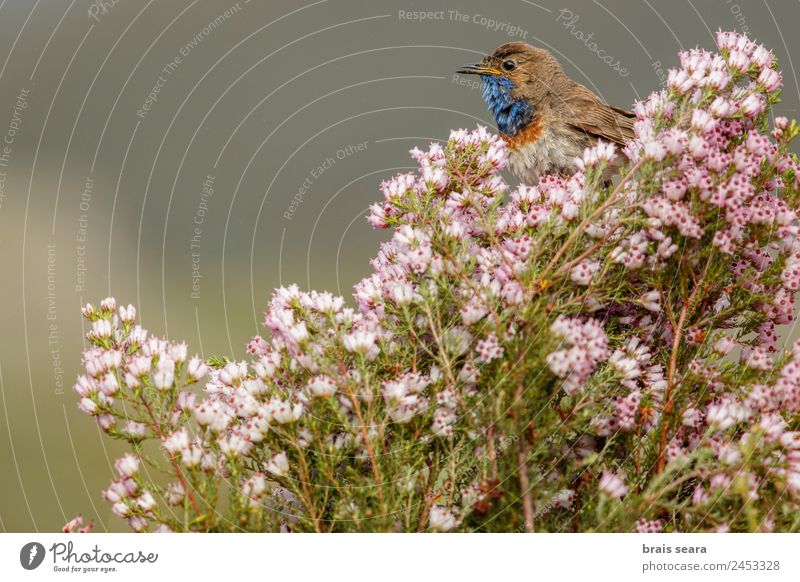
527,135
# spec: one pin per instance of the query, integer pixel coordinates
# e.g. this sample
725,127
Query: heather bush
562,356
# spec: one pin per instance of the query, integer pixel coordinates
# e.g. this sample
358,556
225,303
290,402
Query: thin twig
578,231
175,465
673,364
522,469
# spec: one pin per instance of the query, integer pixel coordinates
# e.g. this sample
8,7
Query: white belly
549,154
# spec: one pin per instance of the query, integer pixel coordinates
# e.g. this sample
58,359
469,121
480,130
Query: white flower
582,273
196,369
106,421
127,314
121,509
109,385
175,493
177,441
139,365
442,519
102,329
234,445
146,502
165,374
651,301
612,485
192,456
232,373
108,304
724,414
88,406
401,292
138,335
279,465
255,486
127,465
724,345
322,386
283,412
210,414
360,342
137,523
178,352
135,429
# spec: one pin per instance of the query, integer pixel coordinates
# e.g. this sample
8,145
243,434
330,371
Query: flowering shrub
562,356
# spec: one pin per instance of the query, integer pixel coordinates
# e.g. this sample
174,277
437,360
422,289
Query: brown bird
546,118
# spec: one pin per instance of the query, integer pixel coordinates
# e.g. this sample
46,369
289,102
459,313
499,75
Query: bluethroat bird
546,118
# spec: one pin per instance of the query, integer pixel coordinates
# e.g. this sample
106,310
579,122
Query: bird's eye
509,65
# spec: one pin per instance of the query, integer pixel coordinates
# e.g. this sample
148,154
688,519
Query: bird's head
515,78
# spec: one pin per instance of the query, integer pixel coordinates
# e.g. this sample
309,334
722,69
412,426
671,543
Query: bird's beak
478,69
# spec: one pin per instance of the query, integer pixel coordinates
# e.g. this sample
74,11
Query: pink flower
211,415
177,441
752,105
88,406
602,153
649,526
135,429
724,414
108,305
762,57
726,40
137,523
724,345
582,273
196,370
679,81
739,60
588,346
106,421
127,465
489,349
146,502
234,445
757,358
702,121
361,342
612,485
164,377
127,314
322,386
770,79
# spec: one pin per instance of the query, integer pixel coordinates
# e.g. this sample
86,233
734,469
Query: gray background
258,103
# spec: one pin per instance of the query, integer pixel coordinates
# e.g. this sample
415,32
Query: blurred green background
188,156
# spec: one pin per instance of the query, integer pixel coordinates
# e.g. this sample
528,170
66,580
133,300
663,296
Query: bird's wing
587,113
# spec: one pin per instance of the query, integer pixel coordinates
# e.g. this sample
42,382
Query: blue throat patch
510,114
